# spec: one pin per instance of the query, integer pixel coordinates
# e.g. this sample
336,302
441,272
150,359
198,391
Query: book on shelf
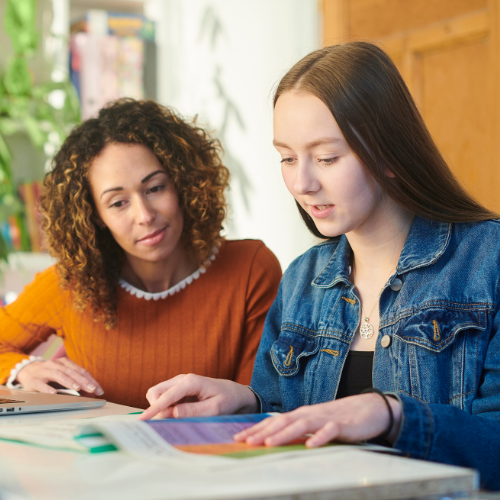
101,22
14,234
111,56
30,195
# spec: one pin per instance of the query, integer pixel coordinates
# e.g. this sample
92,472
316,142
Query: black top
357,374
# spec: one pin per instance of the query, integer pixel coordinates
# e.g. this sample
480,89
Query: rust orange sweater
212,327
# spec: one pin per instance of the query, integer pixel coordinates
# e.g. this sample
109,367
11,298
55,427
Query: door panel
371,19
448,52
454,85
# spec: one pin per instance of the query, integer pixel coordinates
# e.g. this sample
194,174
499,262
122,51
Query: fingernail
99,392
76,387
91,387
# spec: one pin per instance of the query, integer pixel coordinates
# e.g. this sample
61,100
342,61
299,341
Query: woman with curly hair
145,287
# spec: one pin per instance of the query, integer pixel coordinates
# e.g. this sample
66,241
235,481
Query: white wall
221,59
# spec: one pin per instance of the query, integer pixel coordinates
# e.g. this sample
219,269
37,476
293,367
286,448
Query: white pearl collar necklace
141,294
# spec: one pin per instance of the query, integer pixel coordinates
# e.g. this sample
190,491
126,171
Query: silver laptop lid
16,401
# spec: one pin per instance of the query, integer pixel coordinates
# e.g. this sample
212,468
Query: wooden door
448,52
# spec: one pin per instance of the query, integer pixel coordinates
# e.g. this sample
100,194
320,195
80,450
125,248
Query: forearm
16,344
447,434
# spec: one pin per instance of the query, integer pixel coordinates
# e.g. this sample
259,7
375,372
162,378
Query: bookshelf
54,21
112,52
79,7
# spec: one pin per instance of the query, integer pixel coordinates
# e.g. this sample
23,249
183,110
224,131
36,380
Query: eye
117,204
328,161
156,189
287,161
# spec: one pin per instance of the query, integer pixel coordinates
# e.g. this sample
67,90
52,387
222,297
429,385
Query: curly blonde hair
89,259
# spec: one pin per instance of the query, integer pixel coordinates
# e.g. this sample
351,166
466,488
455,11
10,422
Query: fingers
327,433
290,432
81,378
261,429
157,390
351,419
275,431
38,375
40,386
193,395
207,408
61,377
174,391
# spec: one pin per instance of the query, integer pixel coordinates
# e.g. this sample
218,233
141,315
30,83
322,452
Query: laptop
14,402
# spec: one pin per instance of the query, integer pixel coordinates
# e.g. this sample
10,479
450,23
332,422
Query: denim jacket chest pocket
288,350
306,374
436,349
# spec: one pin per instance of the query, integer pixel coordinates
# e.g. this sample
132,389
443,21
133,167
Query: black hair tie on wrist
391,415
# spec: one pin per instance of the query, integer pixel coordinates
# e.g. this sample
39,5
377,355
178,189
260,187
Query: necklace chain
366,329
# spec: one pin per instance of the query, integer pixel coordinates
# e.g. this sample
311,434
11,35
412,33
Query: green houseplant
27,108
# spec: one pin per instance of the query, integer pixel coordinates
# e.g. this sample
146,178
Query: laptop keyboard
7,401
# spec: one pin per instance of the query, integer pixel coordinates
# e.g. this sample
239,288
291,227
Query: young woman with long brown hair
145,286
401,300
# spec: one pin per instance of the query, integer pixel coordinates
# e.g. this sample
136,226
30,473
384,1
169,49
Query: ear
389,173
99,222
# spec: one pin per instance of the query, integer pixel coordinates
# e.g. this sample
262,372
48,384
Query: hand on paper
351,419
37,375
195,396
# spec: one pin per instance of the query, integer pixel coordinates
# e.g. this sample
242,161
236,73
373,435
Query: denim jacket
439,319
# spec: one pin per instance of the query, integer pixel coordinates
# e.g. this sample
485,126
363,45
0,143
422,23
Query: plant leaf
5,160
4,251
9,126
19,23
17,78
36,134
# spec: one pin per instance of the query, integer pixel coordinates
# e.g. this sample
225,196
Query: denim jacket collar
426,242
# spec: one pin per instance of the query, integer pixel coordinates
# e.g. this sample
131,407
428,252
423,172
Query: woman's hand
194,396
351,419
37,375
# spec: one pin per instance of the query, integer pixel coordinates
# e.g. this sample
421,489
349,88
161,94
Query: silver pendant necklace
366,329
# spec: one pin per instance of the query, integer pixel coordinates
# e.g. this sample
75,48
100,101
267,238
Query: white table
28,472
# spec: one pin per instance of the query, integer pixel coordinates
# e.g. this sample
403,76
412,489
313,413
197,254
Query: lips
154,237
321,211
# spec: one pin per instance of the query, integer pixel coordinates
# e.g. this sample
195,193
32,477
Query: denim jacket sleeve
447,434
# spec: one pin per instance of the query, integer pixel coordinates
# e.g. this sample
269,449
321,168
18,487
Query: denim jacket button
386,341
396,285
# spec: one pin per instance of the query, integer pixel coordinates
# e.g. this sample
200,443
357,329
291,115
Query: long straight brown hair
373,108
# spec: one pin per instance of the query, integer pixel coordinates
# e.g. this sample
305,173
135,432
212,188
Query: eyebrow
313,144
146,179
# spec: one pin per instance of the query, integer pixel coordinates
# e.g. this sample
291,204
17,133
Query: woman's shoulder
47,278
246,255
485,227
480,237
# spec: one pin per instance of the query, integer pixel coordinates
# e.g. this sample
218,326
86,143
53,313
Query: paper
206,441
205,430
59,434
